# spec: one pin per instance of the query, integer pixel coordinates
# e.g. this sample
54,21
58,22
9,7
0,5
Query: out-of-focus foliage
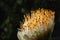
12,11
19,2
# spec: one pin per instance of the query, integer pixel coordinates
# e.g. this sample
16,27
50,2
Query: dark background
12,11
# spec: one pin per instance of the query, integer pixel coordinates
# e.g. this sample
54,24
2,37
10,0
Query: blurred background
12,11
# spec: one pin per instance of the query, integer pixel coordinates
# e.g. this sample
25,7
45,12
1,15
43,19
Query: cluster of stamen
39,17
